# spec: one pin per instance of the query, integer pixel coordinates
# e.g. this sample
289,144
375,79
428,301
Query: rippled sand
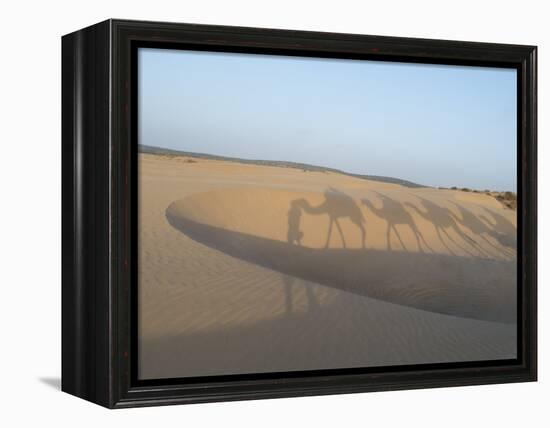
247,268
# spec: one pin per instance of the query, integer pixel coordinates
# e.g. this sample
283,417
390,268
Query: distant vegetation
283,164
508,199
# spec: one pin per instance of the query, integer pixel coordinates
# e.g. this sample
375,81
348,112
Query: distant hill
281,164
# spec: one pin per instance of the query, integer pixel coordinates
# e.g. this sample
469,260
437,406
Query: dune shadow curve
459,286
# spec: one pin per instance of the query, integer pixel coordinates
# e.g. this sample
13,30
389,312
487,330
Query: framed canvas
252,213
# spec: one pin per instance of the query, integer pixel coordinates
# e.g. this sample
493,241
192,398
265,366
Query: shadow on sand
476,288
502,229
395,214
337,205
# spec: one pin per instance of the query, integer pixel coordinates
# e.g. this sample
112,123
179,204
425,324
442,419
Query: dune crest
391,221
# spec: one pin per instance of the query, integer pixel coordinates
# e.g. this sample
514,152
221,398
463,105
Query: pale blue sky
432,124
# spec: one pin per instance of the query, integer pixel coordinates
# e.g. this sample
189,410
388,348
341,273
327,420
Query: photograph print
304,214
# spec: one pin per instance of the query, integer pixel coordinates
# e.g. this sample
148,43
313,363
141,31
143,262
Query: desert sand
252,268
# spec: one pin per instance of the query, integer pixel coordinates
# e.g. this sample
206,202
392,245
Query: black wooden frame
99,196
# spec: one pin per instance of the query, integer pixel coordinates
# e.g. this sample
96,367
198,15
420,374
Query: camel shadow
394,213
480,229
443,219
502,229
337,205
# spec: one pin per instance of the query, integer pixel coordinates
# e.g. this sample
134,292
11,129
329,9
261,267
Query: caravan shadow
461,286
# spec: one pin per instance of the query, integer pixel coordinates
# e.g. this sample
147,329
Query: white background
30,212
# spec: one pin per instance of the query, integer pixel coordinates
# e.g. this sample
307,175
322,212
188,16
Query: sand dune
395,220
258,268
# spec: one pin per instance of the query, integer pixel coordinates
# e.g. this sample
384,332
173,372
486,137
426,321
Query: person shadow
294,237
294,234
